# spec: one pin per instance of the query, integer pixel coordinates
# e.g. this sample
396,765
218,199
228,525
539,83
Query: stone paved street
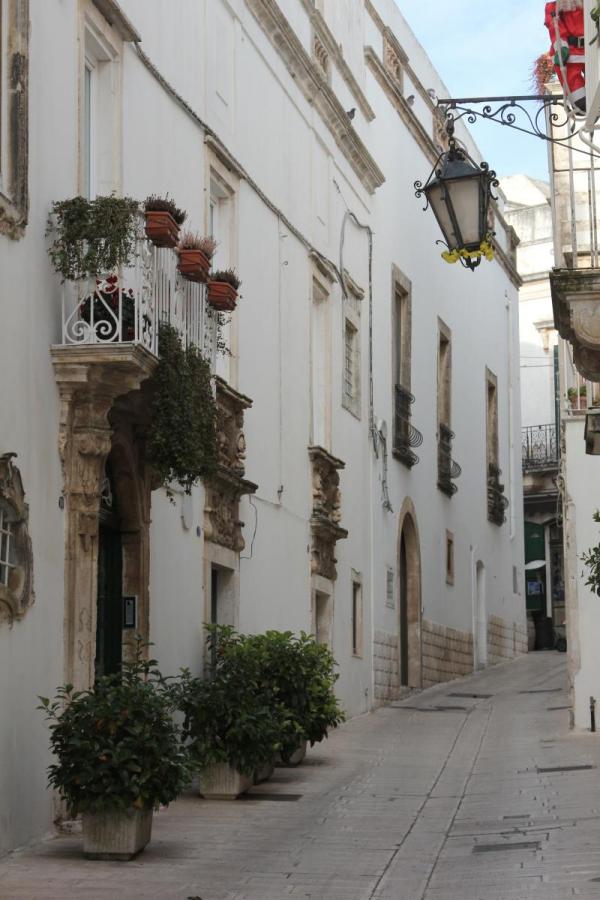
443,796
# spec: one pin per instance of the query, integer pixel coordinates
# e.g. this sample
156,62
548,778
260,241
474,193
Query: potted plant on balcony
195,254
583,397
163,220
572,397
118,756
93,237
232,721
223,290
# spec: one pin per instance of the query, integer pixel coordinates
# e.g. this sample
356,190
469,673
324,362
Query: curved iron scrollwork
552,114
448,469
406,436
497,502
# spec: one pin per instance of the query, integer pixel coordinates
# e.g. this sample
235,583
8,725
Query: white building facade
361,365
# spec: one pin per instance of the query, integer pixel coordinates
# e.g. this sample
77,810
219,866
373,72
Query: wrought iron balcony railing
448,469
496,501
539,447
127,306
406,436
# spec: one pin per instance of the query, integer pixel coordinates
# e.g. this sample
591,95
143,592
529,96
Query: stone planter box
116,835
265,772
222,782
296,757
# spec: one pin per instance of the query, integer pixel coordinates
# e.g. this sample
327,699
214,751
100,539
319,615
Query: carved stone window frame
17,596
14,108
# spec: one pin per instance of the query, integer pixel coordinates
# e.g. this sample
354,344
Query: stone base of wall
447,653
386,667
505,640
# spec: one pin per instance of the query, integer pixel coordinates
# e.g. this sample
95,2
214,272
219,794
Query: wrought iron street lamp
459,192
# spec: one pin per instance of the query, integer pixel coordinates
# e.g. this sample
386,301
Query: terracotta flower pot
194,265
161,228
222,296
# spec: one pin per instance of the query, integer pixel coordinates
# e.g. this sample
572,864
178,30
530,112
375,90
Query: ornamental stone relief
222,523
16,557
326,512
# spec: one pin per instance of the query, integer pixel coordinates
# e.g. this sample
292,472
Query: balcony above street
576,304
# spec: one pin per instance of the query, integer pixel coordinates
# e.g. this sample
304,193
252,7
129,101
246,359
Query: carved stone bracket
576,304
16,596
222,524
326,512
90,378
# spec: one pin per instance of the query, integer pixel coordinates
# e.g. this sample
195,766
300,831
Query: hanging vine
182,441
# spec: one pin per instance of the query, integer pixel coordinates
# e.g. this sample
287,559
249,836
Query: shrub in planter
102,309
182,437
163,220
300,674
232,721
223,290
118,756
92,237
195,254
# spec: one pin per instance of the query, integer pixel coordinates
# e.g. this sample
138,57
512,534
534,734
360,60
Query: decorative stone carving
321,55
576,304
16,596
90,379
391,59
326,512
222,524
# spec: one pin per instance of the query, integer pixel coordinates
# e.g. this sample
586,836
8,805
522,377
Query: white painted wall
252,103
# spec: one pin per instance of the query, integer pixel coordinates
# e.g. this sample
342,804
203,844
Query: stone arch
409,600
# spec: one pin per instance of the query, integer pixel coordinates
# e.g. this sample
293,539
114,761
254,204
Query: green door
109,623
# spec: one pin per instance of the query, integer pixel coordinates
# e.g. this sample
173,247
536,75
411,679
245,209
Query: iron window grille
406,436
448,469
496,501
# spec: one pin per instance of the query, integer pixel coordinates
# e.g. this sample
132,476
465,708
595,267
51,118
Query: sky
484,49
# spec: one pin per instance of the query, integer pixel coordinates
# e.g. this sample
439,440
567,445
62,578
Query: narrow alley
473,790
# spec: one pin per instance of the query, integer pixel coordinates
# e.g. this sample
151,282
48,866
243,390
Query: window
14,116
496,501
357,616
323,618
405,435
321,365
449,558
16,562
7,556
351,384
448,470
100,108
220,221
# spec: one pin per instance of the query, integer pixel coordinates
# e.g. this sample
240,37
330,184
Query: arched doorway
409,572
480,617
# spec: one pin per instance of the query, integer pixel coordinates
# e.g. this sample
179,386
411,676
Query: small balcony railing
448,469
496,501
127,306
539,447
406,436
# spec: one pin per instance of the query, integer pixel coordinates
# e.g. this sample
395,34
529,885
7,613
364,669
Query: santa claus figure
564,21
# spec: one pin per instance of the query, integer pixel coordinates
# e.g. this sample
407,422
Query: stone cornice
394,94
117,19
336,54
316,91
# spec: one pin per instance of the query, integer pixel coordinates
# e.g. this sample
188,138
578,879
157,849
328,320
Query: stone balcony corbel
222,523
576,305
326,512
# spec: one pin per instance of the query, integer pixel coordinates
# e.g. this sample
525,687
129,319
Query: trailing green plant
591,560
234,716
191,240
571,393
92,237
116,745
182,439
227,275
154,203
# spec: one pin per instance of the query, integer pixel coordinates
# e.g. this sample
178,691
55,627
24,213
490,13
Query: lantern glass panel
466,199
437,196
